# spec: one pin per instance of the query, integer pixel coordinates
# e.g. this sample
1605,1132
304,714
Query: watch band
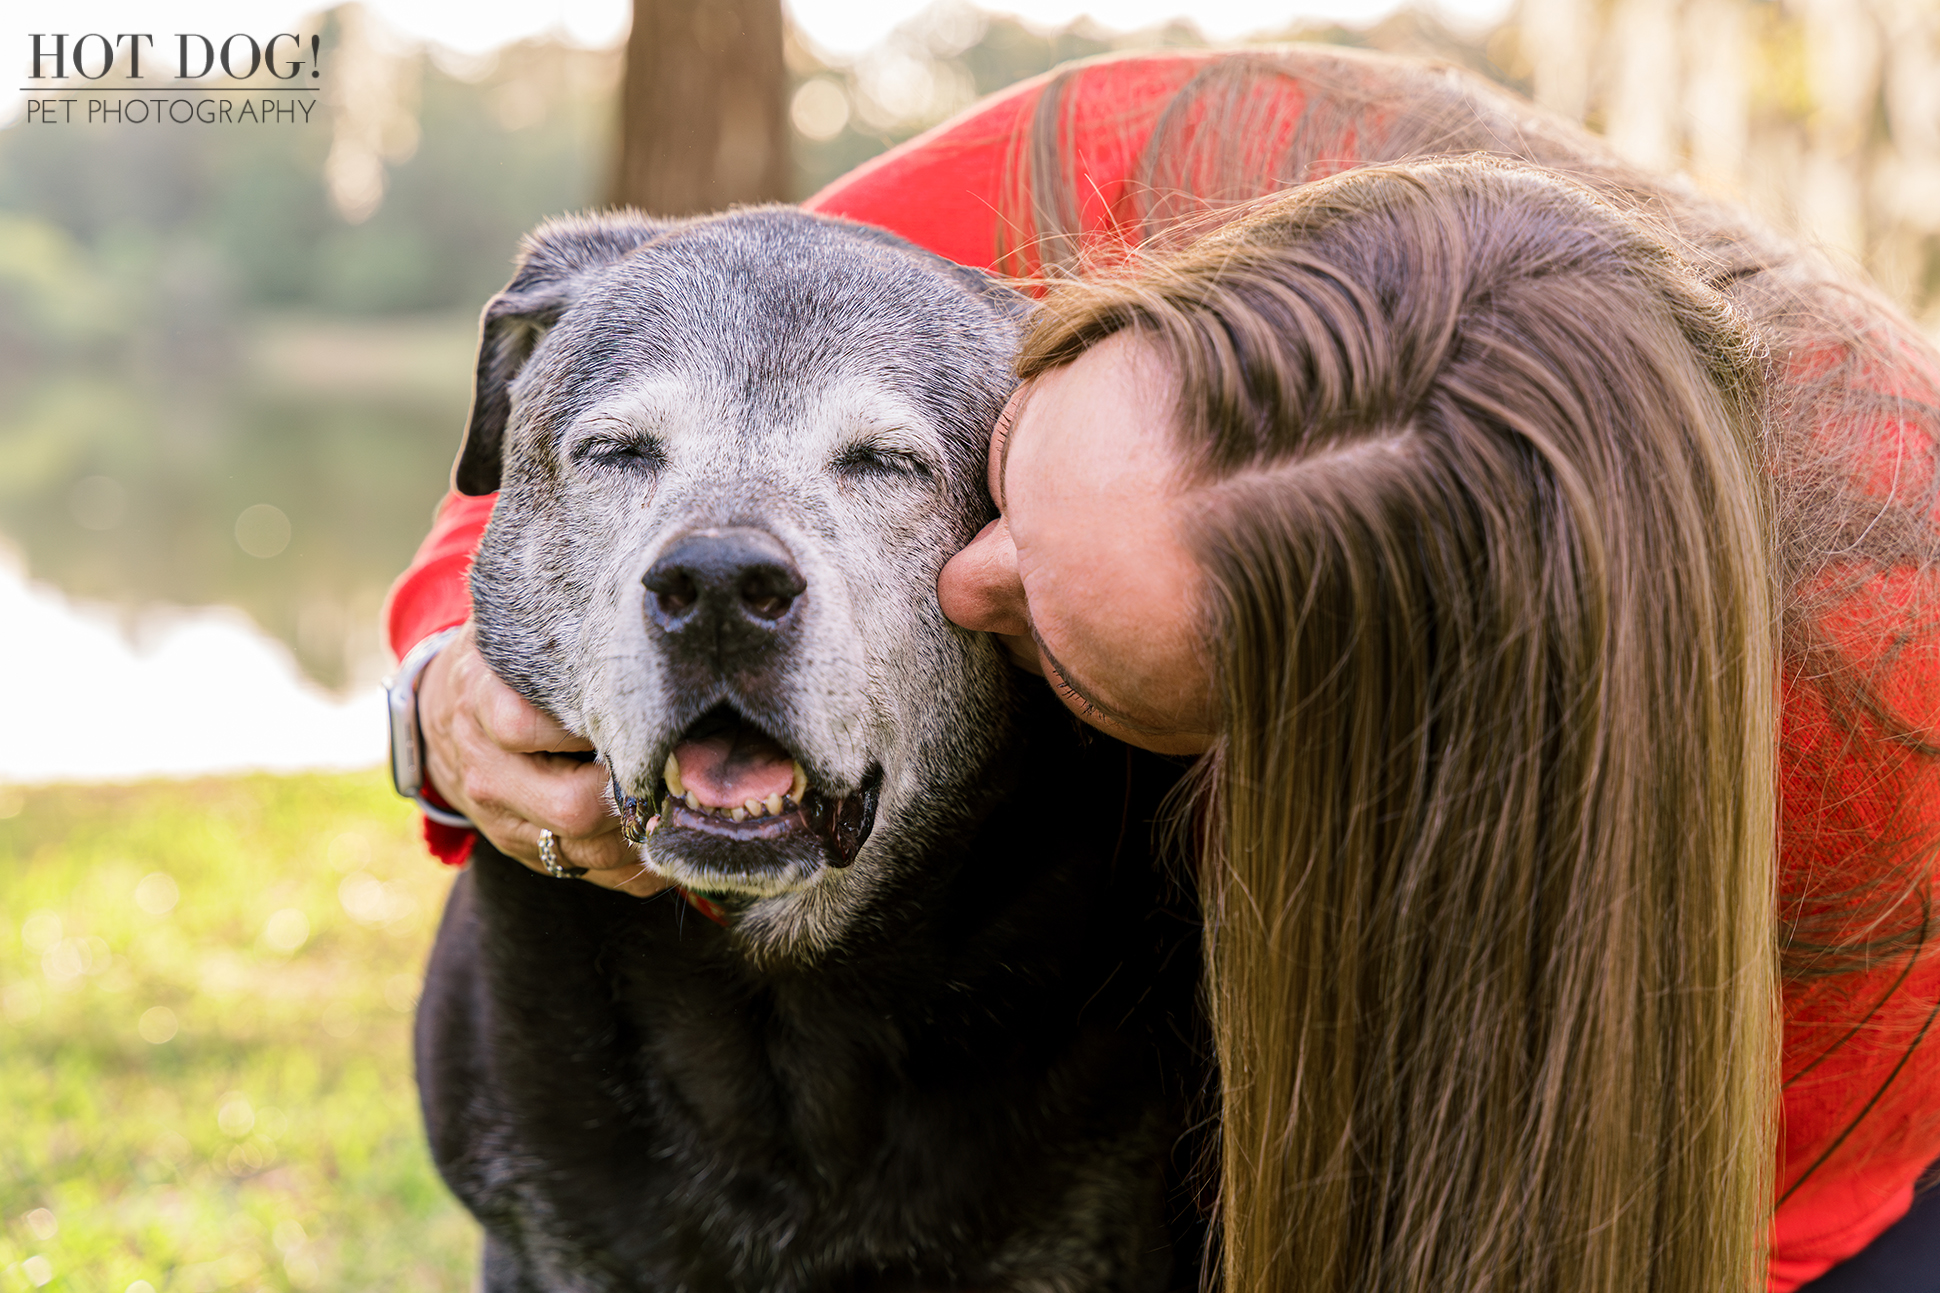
407,738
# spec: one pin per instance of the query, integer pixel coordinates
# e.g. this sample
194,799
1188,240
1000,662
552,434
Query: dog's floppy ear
555,262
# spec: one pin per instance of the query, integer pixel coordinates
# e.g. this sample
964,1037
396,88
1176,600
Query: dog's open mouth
735,802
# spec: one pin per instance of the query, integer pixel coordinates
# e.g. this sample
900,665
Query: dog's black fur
626,1103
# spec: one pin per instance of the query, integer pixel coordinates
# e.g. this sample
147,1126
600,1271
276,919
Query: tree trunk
703,117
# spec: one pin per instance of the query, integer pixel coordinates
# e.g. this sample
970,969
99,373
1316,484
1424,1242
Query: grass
205,997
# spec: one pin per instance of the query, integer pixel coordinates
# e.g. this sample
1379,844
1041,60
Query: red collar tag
703,906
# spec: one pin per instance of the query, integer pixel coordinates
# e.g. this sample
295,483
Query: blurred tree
1824,115
703,110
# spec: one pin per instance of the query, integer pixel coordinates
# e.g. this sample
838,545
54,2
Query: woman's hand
505,765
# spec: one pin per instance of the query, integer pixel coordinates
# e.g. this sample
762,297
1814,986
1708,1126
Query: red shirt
1854,1045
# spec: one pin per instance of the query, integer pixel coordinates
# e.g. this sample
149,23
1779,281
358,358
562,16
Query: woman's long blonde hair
1487,834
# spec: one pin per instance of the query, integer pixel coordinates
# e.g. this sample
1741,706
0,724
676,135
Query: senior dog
935,1029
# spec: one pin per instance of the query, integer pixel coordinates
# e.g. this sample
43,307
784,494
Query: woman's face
1083,575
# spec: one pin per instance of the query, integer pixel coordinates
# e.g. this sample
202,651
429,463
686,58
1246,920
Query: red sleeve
944,190
433,593
939,190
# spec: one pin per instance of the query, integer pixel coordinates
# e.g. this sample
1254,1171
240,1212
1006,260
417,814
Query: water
97,694
191,570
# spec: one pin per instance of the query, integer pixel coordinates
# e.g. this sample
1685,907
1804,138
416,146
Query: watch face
407,764
407,749
407,739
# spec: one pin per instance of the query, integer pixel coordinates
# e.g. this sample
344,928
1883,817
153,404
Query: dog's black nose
729,586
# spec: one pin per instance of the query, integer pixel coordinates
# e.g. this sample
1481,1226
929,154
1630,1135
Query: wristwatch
407,738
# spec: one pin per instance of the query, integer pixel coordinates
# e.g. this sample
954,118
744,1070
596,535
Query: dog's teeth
772,804
800,784
693,800
672,774
653,824
738,814
756,808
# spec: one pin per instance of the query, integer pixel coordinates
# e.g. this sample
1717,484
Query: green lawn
205,1004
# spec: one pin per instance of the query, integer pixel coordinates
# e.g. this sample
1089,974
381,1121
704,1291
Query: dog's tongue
727,770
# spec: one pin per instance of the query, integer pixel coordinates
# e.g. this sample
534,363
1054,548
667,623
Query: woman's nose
979,588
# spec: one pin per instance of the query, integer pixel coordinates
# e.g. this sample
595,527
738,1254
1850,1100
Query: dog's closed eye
865,460
631,452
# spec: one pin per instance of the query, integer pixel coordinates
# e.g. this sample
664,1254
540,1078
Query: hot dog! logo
122,83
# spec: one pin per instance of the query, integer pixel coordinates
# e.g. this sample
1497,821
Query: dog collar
703,906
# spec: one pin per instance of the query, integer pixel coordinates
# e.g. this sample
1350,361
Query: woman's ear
556,260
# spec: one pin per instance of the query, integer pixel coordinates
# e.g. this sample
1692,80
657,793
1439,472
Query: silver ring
549,858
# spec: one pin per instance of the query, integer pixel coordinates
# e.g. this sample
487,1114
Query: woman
1437,474
1411,1169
